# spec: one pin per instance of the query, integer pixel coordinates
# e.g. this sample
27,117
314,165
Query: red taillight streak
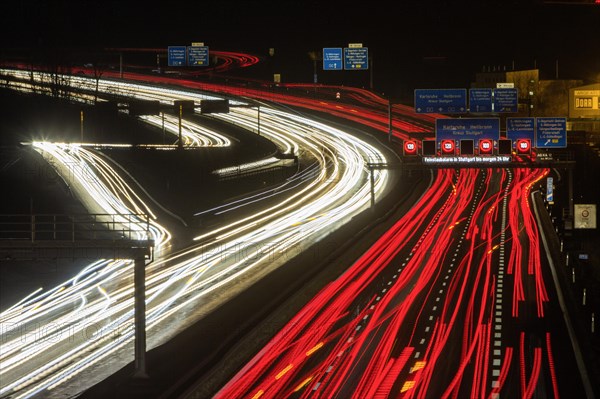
522,364
535,373
551,366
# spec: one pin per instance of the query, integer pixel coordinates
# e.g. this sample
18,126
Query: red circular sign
486,146
410,147
523,146
448,146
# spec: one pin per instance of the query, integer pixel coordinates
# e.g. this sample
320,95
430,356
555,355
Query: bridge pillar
139,279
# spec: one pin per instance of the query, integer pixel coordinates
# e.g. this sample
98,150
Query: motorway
455,300
452,301
55,342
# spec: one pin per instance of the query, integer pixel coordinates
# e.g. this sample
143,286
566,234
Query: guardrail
74,227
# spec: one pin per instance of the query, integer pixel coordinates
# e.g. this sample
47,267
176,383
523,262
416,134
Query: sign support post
390,121
180,137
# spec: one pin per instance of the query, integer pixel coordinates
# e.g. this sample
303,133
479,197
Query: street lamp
315,56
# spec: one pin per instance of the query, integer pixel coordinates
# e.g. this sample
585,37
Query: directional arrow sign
506,100
551,133
467,128
333,59
176,55
520,129
445,101
356,58
197,55
480,100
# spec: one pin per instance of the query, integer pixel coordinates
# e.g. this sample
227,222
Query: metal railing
74,227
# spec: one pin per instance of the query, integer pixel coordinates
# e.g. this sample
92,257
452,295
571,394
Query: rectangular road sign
333,59
551,133
506,100
505,85
176,55
480,100
550,190
585,216
444,101
520,128
197,56
356,58
467,128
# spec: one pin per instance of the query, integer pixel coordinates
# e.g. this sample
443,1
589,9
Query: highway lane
37,365
542,297
405,122
495,370
450,302
193,134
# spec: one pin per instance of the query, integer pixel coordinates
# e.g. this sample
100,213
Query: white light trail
101,297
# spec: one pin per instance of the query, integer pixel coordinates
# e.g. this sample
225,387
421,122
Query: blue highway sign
506,100
333,59
445,101
480,100
467,128
197,56
356,58
550,190
176,55
551,133
520,128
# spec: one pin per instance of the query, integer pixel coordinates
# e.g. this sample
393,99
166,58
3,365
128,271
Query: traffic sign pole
180,136
390,121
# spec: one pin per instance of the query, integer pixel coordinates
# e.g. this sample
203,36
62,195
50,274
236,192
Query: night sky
418,43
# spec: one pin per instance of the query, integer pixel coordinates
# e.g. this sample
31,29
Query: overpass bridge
32,237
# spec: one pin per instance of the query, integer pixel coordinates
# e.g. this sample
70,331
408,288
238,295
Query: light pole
531,93
314,56
180,135
371,71
258,120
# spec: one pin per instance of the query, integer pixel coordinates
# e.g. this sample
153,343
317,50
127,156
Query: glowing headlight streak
108,191
340,191
193,134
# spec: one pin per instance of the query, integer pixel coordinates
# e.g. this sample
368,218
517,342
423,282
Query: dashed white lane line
497,353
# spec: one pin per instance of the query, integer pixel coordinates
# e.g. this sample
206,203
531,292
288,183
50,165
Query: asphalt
199,370
212,350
